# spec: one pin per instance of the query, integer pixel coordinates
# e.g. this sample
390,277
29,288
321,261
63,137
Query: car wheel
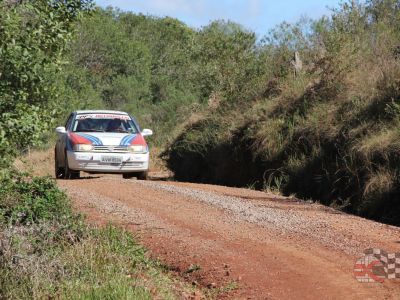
142,175
58,171
127,175
68,173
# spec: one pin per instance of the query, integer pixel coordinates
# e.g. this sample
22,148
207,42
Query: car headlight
83,147
137,149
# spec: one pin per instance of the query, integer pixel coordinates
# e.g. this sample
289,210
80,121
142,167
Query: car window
104,123
69,121
136,124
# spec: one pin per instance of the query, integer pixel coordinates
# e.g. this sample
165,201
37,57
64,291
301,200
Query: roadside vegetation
47,251
326,129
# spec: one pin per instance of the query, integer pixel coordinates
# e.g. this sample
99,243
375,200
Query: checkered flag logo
369,269
390,262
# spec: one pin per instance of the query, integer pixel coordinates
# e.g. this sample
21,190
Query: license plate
111,159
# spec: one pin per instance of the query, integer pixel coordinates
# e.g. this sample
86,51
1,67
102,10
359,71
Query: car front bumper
92,162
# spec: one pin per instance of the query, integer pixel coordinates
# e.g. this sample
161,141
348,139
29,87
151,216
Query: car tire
142,175
68,173
58,171
139,175
128,175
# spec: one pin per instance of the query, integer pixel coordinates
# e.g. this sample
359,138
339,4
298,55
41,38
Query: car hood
109,139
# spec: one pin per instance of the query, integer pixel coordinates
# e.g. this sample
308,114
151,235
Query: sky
257,15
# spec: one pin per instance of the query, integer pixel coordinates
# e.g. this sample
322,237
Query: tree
33,39
226,55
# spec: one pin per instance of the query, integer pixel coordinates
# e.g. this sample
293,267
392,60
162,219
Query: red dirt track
245,243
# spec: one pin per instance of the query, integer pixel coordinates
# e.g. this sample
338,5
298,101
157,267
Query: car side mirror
61,130
147,132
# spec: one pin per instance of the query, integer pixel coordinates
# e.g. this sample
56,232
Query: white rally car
101,141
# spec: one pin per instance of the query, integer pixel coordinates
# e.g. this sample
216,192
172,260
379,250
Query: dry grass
37,162
381,142
380,182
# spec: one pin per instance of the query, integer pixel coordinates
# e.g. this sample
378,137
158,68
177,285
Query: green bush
28,200
34,36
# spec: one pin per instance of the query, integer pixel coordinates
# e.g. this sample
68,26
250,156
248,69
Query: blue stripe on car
123,140
126,141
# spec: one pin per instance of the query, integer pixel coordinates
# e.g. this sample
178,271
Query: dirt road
242,243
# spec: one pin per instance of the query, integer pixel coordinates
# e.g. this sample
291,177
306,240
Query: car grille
114,149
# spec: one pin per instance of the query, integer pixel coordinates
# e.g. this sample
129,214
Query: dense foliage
158,69
33,38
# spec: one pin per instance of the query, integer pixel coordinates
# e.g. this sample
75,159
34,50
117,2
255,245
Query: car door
61,144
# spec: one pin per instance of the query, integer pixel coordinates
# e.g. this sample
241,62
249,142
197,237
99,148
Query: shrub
28,200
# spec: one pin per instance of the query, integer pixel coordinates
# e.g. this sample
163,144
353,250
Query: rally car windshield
104,123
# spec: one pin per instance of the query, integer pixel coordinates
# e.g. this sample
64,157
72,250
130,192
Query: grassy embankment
329,133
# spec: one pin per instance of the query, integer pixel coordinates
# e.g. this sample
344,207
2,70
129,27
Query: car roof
101,112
